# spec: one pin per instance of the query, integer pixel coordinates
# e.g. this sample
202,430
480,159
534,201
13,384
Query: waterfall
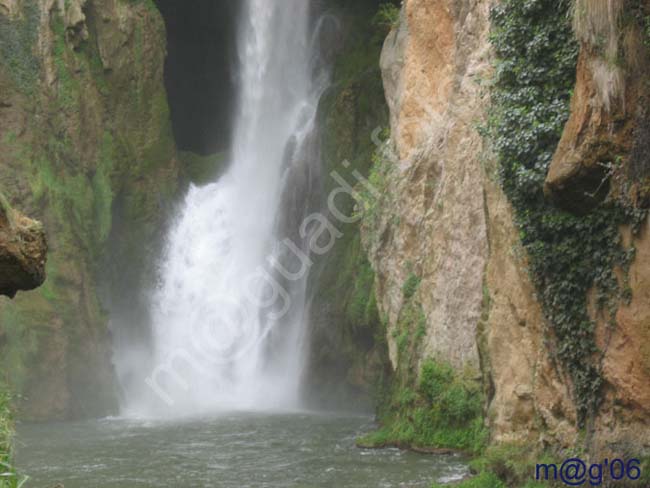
229,312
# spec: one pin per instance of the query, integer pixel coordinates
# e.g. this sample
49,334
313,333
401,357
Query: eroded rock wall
448,221
432,223
444,222
347,351
604,154
86,147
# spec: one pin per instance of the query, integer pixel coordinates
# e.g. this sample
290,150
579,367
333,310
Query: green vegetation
569,254
200,169
351,110
17,42
637,11
411,285
96,158
149,4
387,16
507,465
8,476
381,171
6,212
361,309
68,91
409,332
513,464
442,410
645,472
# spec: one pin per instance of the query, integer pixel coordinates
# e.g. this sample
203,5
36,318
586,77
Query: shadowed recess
198,71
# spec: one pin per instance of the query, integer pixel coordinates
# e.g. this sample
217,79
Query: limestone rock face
595,140
446,219
609,104
23,250
604,152
623,420
530,400
432,221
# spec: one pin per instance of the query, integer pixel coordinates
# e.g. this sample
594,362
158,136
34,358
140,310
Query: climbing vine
569,255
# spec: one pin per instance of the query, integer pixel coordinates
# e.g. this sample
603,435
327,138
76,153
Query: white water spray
229,312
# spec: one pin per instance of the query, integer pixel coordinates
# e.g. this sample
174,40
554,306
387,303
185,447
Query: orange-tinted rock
23,252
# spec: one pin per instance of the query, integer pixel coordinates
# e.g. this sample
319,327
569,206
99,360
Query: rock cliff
553,327
86,147
498,266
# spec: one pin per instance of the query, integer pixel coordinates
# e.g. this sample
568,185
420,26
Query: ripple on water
234,451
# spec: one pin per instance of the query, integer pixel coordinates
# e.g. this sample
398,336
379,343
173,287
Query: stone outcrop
23,250
608,106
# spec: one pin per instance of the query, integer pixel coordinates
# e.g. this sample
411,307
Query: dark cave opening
198,71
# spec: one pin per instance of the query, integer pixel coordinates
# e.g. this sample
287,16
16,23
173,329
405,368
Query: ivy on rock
569,255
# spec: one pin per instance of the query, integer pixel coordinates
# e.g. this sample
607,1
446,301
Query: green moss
387,16
6,212
381,172
535,73
361,307
442,410
80,201
6,427
411,285
8,476
68,91
348,333
201,170
17,43
102,190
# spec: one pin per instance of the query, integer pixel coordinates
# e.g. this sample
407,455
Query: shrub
443,411
387,16
8,477
411,285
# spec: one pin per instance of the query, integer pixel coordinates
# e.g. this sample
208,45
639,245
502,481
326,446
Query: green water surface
230,451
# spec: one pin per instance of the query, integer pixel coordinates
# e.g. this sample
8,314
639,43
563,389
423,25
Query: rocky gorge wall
492,283
521,275
347,347
86,147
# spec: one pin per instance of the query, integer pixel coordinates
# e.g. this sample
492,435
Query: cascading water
228,316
